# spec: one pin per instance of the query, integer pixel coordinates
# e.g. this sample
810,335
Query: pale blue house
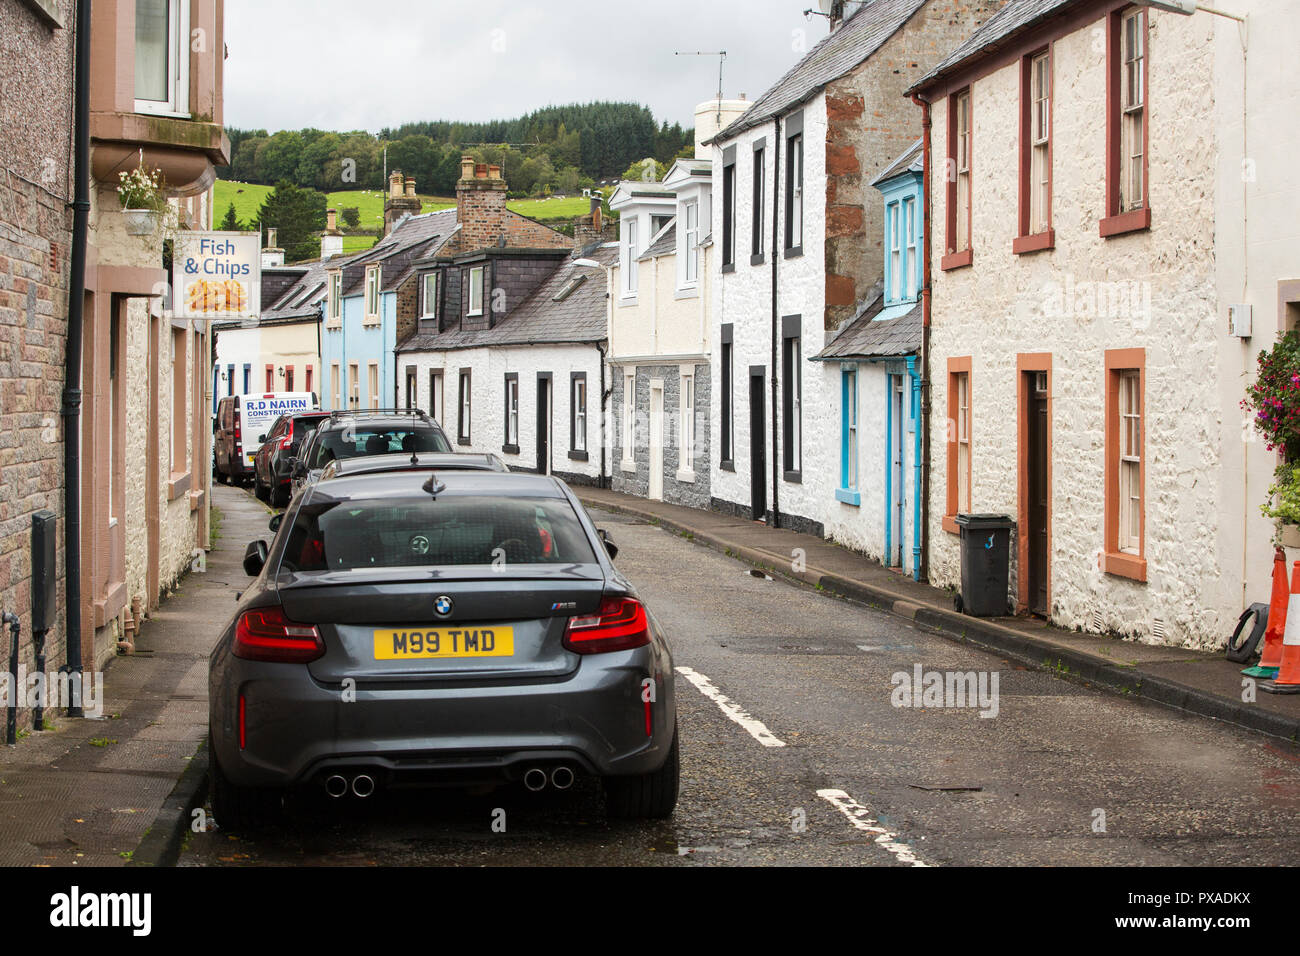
878,498
365,295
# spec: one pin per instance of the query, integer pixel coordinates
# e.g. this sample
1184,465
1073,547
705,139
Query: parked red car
272,476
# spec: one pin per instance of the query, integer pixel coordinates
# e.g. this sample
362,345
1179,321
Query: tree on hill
231,222
351,216
299,215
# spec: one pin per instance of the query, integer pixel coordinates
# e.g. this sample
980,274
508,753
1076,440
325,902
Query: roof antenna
722,57
434,487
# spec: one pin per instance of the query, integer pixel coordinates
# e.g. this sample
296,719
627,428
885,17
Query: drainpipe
604,401
72,374
923,572
915,375
776,320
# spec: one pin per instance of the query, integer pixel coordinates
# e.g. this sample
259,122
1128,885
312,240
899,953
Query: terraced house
798,231
155,102
506,346
1116,176
660,372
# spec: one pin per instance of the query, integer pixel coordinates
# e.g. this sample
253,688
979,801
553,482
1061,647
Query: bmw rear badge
442,606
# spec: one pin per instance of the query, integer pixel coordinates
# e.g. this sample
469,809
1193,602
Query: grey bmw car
455,627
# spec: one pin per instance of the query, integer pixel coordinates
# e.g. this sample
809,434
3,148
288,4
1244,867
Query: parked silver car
439,627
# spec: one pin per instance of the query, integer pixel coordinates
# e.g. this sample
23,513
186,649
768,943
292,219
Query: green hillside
248,199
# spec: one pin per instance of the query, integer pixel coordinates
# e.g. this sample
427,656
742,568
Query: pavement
117,789
1198,682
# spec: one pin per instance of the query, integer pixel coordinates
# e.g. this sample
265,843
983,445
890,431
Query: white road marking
756,728
861,819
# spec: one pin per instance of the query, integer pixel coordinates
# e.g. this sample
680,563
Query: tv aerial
722,56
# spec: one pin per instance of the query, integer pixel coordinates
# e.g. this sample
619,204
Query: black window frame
793,136
727,462
507,446
729,209
576,453
757,249
464,396
791,382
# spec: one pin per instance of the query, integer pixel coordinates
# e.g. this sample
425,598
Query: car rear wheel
280,496
646,796
242,808
263,493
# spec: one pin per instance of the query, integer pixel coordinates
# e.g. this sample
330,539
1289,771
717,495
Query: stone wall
1152,290
677,489
35,243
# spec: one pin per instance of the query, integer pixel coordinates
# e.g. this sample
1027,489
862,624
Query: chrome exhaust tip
562,778
535,779
363,785
336,786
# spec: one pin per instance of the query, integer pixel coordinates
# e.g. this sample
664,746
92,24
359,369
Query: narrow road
795,753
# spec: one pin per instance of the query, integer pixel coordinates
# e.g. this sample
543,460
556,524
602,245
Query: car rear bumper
298,731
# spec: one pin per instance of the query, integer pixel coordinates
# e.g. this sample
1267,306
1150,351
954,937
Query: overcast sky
363,64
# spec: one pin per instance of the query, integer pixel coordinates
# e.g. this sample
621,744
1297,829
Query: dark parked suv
272,471
365,433
445,624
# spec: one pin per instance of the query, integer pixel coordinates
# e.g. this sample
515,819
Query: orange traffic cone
1287,680
1271,658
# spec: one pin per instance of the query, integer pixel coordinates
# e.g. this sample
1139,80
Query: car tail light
620,624
286,441
265,634
239,439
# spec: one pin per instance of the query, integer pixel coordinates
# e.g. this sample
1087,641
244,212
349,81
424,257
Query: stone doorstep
1194,681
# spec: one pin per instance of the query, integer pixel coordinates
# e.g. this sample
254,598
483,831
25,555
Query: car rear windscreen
363,441
426,532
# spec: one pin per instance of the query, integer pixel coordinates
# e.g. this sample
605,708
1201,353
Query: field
248,199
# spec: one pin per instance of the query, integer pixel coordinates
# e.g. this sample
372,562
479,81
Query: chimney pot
270,238
467,167
410,187
494,172
331,221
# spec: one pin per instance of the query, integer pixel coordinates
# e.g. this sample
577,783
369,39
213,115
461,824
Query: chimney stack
272,256
837,14
480,205
331,243
401,201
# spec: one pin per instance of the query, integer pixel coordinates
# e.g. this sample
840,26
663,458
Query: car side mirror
261,439
255,558
610,547
276,521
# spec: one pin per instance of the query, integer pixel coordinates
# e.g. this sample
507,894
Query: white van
242,419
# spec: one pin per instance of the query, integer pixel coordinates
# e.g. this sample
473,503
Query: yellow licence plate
492,641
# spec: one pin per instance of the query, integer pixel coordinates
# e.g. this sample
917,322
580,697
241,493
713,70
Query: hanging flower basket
143,199
141,222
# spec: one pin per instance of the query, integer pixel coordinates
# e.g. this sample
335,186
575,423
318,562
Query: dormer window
372,292
162,61
690,240
476,290
429,308
629,257
334,300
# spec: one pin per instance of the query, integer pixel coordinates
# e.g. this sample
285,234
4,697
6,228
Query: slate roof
867,337
665,245
540,320
1014,18
412,238
302,299
858,37
912,161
